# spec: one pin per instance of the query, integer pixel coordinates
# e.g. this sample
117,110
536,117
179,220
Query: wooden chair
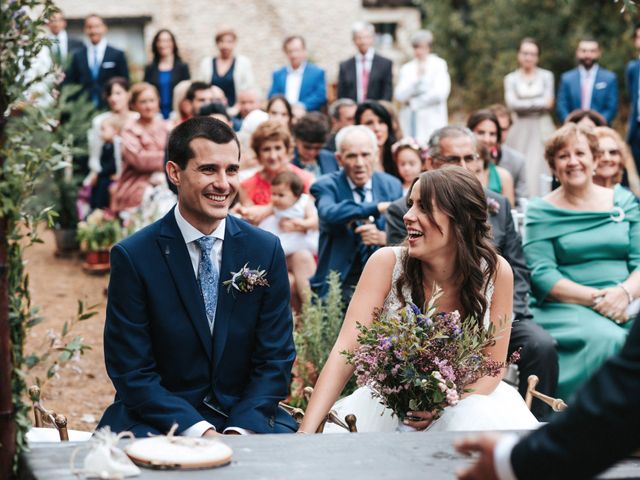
47,418
348,424
556,404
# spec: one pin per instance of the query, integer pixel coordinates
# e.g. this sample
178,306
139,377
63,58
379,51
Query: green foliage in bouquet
416,360
319,323
99,232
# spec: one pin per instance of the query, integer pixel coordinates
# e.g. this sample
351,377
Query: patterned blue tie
95,65
208,278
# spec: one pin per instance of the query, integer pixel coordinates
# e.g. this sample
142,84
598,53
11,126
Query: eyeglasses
611,153
457,159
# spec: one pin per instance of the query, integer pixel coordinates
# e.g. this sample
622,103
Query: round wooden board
163,453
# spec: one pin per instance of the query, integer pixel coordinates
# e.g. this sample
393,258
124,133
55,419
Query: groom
181,347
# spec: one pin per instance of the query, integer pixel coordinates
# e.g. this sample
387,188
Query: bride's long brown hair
459,195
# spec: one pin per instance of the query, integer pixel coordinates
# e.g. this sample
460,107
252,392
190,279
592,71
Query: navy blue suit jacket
160,354
114,64
600,426
604,98
338,244
313,90
380,79
631,79
326,161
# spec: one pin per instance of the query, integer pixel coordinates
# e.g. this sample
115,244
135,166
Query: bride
448,245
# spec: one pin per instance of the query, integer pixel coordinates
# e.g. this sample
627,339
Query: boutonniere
246,279
493,206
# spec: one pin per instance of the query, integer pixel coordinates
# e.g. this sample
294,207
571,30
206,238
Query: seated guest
232,73
508,158
351,203
181,105
166,69
342,113
295,223
104,141
199,94
407,155
143,149
582,244
248,101
216,110
454,145
310,133
279,109
374,115
301,82
271,142
586,118
615,163
486,128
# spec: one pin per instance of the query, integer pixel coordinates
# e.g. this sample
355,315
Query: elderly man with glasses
454,145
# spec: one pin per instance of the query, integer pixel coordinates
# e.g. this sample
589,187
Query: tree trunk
7,419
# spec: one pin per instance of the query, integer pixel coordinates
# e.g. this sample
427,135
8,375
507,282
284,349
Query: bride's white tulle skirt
503,409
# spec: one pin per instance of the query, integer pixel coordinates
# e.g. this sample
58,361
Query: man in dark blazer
350,205
599,428
186,340
453,145
96,62
62,44
301,82
310,133
588,86
632,74
367,75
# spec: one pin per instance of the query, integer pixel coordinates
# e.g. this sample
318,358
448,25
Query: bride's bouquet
422,361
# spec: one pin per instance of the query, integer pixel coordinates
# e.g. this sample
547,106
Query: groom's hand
483,468
210,433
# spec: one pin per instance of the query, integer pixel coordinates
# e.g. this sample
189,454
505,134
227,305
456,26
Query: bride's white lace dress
503,409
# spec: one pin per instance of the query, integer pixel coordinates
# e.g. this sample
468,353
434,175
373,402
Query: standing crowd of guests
333,187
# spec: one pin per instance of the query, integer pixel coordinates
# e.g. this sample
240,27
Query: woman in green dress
582,244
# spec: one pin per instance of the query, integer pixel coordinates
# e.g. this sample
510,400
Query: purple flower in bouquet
412,368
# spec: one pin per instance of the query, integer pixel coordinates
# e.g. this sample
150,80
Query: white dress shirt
62,41
191,234
502,457
368,61
590,77
368,191
293,84
100,48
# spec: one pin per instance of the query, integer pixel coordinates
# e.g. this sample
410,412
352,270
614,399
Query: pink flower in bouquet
422,361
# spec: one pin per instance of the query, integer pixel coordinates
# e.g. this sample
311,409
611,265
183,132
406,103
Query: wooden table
364,456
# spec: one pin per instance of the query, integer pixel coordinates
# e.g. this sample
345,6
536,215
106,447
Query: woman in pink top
143,146
271,142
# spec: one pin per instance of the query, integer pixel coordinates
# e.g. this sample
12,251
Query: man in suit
302,83
62,45
350,205
367,75
598,429
632,74
96,62
181,344
342,113
588,86
453,145
310,133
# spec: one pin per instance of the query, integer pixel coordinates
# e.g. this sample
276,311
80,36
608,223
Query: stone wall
261,26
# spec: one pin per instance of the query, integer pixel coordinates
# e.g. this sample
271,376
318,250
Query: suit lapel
174,251
577,89
233,250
